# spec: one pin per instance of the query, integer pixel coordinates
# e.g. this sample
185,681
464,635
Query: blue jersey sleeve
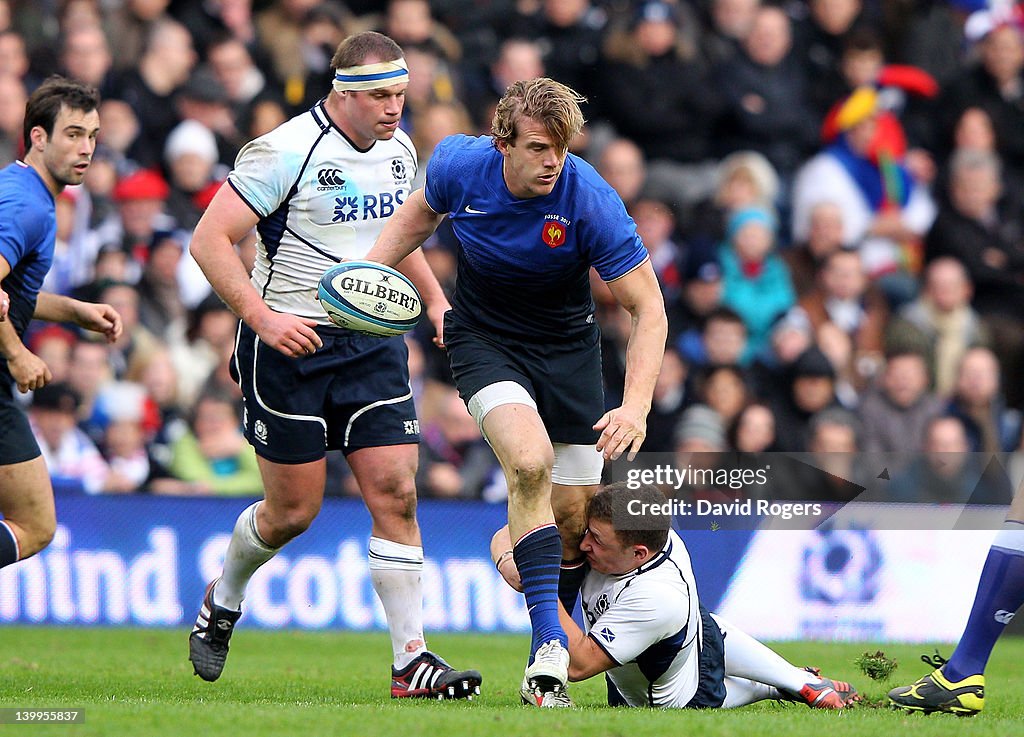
455,162
437,190
12,235
614,247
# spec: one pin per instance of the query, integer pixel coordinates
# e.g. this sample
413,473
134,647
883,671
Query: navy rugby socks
1000,595
538,556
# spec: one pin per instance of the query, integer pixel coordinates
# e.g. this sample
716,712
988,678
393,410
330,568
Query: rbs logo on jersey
372,206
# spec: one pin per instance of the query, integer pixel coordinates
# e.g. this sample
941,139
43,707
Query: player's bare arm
623,429
99,318
586,658
397,246
225,222
5,304
27,369
411,224
415,267
501,556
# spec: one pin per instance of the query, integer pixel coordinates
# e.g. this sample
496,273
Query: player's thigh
26,495
293,492
385,471
493,379
386,476
569,505
513,428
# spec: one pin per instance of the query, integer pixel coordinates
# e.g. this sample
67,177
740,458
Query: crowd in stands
830,191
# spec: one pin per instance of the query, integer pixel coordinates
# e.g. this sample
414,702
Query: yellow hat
858,107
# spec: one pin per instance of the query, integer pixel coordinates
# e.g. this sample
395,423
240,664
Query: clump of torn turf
876,666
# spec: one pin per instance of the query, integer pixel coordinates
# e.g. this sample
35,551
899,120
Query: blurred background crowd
830,190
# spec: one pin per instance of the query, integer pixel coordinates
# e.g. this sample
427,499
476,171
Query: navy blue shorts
711,686
17,443
353,393
564,378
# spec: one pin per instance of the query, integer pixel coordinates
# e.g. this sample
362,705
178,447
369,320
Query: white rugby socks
246,552
745,657
743,691
396,572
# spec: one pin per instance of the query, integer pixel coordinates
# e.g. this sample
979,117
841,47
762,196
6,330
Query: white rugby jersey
648,621
320,199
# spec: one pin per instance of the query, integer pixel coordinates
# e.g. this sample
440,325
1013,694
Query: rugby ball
369,298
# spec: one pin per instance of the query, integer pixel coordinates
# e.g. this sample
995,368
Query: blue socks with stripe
538,556
1000,595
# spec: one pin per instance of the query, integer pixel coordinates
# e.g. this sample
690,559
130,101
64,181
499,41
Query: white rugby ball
369,298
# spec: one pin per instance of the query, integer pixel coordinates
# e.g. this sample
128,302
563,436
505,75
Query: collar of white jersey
660,557
371,76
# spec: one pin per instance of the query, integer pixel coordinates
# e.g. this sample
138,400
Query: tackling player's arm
501,556
586,658
624,428
225,223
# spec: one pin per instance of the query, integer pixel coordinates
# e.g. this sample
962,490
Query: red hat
144,184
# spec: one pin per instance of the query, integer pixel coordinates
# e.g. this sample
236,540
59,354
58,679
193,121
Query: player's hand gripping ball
369,298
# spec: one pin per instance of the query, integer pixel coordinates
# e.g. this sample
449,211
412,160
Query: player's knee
531,474
290,521
398,498
36,536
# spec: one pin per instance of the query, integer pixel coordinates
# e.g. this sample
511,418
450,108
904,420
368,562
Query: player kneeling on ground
647,630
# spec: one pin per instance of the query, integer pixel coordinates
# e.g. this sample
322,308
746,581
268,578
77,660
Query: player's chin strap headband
371,76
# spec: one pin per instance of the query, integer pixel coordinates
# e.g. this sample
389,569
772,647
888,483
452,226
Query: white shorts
575,465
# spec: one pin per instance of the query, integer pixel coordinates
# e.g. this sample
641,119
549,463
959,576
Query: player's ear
39,137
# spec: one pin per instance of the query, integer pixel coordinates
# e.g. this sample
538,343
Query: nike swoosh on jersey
471,211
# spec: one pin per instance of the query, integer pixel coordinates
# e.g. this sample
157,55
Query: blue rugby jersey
28,226
523,263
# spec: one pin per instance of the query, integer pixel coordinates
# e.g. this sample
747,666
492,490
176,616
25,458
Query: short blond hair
550,103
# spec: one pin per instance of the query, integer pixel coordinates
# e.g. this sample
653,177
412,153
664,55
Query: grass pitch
139,683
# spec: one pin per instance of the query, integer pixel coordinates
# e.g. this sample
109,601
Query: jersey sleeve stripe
629,271
243,199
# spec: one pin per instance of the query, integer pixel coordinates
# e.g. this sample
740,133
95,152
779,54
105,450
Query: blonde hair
544,100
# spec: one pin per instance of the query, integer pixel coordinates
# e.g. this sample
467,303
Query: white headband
371,76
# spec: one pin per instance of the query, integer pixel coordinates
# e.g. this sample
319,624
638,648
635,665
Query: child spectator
755,280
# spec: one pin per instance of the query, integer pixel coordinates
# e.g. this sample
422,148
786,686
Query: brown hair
548,102
45,103
611,504
356,49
